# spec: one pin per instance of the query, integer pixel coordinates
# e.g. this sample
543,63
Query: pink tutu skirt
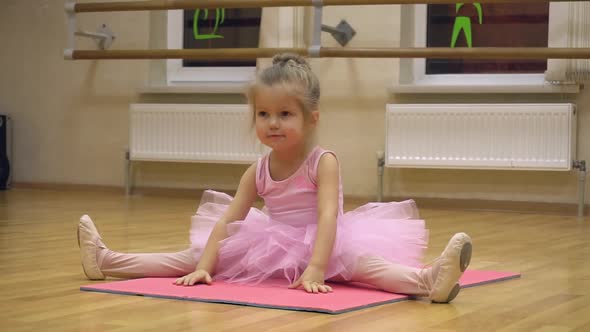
259,248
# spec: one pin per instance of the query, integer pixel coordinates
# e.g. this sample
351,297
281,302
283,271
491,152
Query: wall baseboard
138,191
66,187
566,209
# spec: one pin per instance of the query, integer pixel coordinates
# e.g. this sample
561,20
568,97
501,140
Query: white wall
70,117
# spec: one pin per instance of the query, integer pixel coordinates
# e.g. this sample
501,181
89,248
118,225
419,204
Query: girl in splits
302,235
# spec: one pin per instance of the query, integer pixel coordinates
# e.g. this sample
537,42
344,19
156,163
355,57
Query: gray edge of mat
517,276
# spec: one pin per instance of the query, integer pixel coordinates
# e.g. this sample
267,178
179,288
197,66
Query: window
487,25
225,28
478,25
220,28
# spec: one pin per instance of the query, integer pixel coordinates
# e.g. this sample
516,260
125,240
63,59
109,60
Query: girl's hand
199,276
312,281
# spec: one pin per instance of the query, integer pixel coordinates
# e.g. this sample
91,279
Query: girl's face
279,119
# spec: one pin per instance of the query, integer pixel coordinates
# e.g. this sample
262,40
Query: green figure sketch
463,23
219,18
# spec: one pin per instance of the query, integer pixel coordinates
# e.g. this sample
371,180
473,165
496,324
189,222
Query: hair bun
292,59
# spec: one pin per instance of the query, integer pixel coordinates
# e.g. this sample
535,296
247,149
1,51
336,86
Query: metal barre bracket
316,38
103,35
343,32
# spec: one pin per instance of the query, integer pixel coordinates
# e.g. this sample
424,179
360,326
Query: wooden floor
40,272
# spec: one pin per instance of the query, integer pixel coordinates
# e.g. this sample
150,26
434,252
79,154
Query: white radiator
484,136
192,133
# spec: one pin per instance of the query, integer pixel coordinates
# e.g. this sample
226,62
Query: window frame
290,20
413,70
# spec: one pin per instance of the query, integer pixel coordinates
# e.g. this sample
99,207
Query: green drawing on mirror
463,23
219,18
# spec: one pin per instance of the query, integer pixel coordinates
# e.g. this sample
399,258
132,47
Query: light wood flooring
40,272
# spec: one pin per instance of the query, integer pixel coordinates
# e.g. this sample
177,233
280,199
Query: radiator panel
192,133
484,136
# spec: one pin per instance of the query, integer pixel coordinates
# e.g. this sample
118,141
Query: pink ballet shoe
452,263
88,239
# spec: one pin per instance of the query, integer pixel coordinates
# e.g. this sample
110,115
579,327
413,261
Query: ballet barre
314,50
330,52
209,4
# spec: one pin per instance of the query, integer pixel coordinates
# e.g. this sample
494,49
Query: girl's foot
89,242
453,262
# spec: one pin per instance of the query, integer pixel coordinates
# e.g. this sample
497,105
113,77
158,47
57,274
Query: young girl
302,235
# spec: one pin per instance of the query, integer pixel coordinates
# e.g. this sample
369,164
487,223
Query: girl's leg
119,265
394,278
439,282
98,261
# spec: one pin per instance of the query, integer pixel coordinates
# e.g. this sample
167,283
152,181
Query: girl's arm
237,210
328,180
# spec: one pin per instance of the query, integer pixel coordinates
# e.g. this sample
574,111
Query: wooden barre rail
208,4
329,52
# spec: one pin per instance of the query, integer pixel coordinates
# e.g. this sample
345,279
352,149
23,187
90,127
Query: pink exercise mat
274,294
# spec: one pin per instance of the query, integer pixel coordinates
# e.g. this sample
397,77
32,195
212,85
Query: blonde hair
293,72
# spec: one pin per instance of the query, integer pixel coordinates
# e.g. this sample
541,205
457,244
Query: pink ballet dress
278,240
